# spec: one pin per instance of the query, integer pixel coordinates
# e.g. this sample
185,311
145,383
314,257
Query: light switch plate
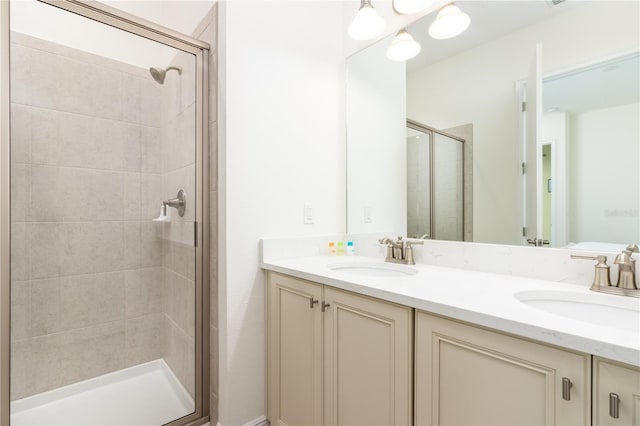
308,214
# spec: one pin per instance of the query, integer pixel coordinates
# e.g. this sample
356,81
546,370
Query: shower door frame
143,28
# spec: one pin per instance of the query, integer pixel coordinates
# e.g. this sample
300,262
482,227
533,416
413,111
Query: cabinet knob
566,389
614,405
325,306
312,302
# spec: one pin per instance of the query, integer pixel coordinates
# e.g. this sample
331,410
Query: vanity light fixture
450,22
403,47
367,24
407,7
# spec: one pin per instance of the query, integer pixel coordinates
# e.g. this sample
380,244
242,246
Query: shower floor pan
147,394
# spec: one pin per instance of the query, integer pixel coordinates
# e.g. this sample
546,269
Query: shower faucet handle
179,203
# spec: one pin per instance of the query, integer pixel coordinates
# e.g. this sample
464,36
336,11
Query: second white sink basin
618,312
373,269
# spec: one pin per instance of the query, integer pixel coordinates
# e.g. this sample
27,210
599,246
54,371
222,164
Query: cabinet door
294,351
470,376
623,381
368,354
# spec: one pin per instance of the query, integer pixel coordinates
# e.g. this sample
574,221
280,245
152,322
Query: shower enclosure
435,184
103,240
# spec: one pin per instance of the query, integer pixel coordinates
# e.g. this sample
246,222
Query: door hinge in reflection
195,234
524,106
524,168
524,231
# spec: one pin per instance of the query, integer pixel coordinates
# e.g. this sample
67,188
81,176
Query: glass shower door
104,277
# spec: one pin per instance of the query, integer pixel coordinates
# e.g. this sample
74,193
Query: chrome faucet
627,268
626,285
400,251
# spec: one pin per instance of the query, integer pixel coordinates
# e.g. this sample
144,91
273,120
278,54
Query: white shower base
144,395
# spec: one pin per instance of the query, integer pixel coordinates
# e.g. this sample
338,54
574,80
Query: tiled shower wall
178,261
87,295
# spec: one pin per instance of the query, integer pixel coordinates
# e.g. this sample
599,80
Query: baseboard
260,421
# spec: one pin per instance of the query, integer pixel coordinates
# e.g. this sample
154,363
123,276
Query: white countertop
481,298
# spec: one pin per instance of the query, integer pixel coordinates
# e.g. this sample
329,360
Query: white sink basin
618,312
371,269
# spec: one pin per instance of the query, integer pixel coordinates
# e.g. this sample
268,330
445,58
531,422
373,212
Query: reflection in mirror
435,184
585,166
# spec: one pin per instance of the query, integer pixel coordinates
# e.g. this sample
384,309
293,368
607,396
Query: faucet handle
601,278
412,242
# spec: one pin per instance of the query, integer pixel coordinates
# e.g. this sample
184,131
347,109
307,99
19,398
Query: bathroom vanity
359,341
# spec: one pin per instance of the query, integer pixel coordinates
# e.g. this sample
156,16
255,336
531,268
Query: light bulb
367,24
403,47
450,22
407,7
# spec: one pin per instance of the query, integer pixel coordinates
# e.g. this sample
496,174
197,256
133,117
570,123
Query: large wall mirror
562,170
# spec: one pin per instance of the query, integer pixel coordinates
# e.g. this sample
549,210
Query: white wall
282,144
604,153
477,86
376,104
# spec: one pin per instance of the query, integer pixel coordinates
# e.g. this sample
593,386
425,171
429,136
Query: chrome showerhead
159,74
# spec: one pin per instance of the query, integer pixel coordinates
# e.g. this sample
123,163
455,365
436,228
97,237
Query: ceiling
179,15
490,20
605,85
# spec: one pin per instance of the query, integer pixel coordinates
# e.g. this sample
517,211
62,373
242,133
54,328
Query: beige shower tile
91,299
151,195
132,245
129,136
144,291
179,258
179,232
45,306
132,191
90,142
181,357
53,81
180,302
22,89
92,247
151,106
45,250
151,149
20,191
130,98
21,120
20,310
145,339
150,244
187,80
68,357
203,34
19,251
20,383
105,86
70,194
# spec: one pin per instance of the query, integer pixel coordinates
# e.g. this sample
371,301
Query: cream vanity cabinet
467,375
336,358
616,394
